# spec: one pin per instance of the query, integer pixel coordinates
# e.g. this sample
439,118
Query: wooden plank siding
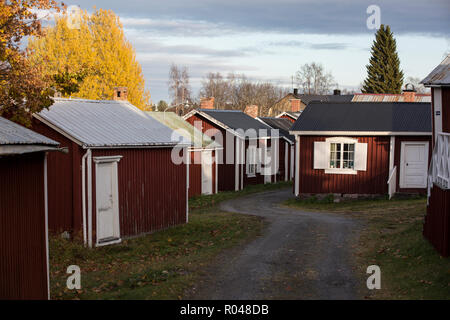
152,190
437,220
64,183
23,243
226,173
371,181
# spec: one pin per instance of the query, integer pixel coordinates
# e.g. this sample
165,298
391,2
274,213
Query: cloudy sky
270,40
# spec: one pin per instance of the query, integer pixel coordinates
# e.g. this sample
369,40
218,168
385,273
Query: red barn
362,148
122,176
286,148
23,212
437,221
202,153
246,143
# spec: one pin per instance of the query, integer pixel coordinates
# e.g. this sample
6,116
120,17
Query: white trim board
359,133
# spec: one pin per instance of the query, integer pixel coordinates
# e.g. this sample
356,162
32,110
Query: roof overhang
16,149
359,133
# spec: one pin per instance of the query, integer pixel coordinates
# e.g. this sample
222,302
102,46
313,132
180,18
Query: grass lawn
157,266
392,239
161,265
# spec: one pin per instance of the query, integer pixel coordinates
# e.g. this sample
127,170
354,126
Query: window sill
251,175
341,171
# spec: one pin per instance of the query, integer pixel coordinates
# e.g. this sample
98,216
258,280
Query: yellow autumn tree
93,53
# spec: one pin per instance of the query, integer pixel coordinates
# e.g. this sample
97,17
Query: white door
207,172
414,163
107,202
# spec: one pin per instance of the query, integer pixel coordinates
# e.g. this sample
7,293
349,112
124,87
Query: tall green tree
383,71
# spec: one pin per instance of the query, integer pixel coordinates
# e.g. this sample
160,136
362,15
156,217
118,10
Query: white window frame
251,161
342,141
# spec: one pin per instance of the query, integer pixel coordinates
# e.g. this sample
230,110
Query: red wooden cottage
202,153
23,212
437,221
246,157
362,148
286,146
119,178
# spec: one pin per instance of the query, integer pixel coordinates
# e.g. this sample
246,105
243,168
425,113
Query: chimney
207,103
120,93
252,110
295,91
409,95
295,105
336,92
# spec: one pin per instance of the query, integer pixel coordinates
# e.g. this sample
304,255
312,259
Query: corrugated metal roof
282,124
96,123
188,131
365,116
237,120
307,98
369,97
440,75
11,134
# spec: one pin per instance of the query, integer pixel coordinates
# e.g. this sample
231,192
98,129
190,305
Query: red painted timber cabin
437,221
118,179
286,148
202,153
23,212
242,161
362,148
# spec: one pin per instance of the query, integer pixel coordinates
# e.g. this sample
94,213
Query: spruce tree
383,71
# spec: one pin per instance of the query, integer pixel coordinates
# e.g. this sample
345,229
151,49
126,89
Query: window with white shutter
340,155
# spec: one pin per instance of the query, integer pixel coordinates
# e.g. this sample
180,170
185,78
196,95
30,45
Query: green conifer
383,71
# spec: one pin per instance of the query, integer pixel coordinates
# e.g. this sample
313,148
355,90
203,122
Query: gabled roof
293,115
97,123
282,124
440,76
365,117
233,120
177,123
382,97
15,139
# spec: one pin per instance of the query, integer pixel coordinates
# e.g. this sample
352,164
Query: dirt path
301,255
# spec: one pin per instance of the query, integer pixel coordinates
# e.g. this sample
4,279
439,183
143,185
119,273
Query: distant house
202,154
239,163
295,102
118,179
437,221
291,116
362,148
23,212
286,146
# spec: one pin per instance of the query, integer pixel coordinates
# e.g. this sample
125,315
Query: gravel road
300,255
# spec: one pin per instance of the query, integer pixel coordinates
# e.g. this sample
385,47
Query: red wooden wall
226,172
152,190
23,255
437,221
371,181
